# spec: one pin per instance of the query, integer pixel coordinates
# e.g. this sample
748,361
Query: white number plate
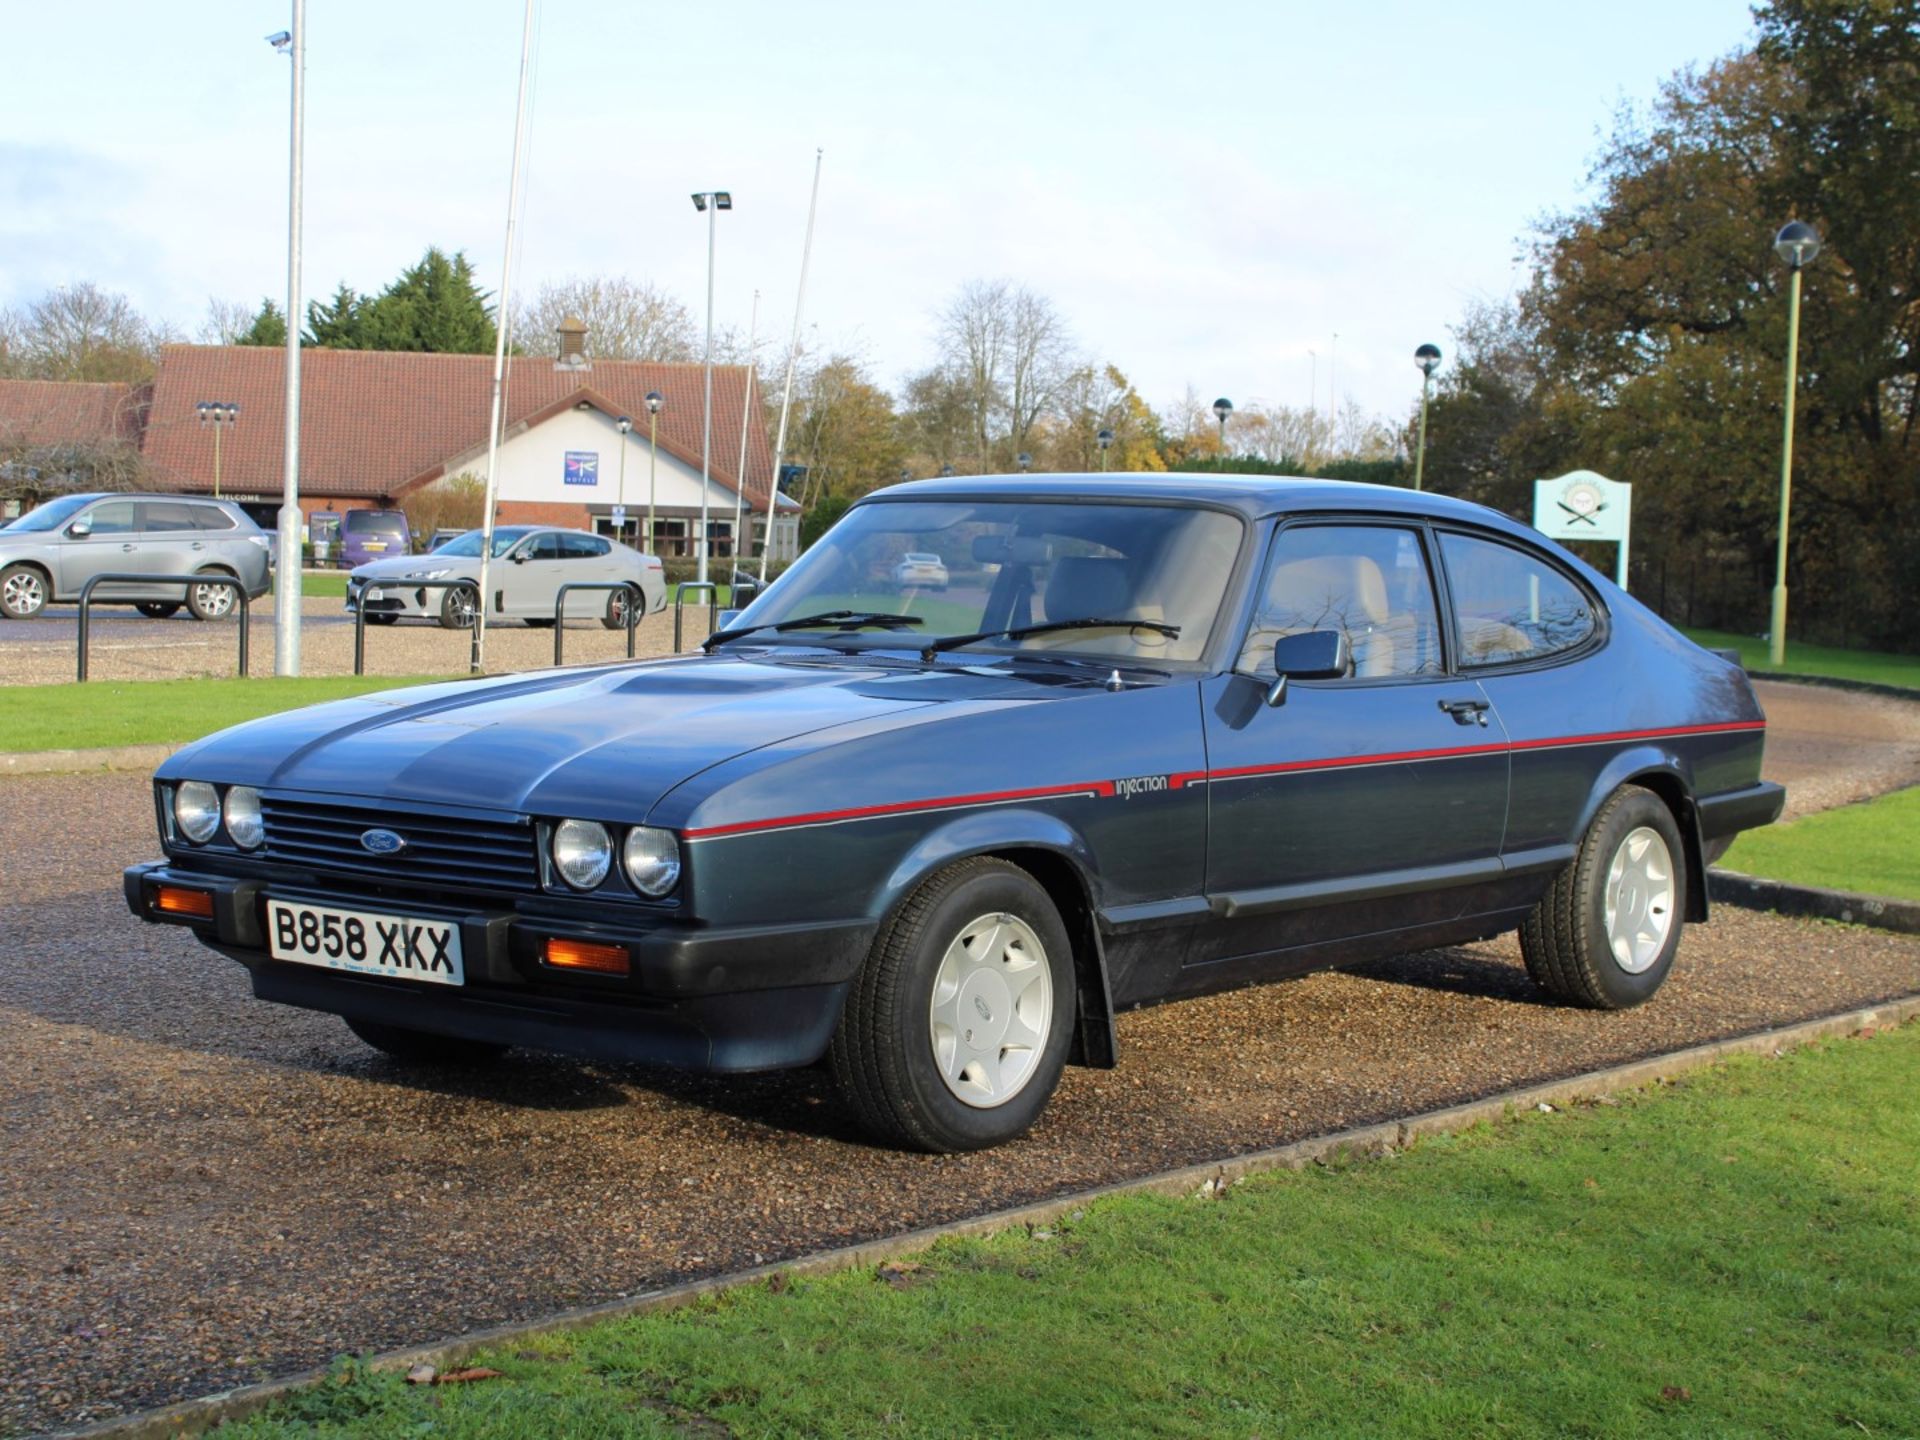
402,946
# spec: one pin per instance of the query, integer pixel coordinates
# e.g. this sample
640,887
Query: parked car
442,536
372,535
49,553
920,572
530,564
1164,735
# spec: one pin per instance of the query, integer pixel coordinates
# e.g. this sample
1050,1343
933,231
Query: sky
1208,197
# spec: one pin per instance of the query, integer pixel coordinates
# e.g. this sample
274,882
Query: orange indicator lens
584,955
172,900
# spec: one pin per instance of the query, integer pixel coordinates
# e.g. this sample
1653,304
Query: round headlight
582,853
196,810
652,858
244,825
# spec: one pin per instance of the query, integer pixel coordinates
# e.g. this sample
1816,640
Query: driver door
110,543
1359,806
533,574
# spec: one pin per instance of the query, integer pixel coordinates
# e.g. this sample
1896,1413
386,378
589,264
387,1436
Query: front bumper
396,597
698,997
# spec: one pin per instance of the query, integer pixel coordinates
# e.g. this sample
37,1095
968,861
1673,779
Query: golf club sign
1584,505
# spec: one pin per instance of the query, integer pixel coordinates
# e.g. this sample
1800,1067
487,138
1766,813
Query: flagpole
746,409
793,356
500,347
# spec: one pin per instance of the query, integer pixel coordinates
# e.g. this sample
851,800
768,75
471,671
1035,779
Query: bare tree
626,319
974,331
1038,361
226,322
80,332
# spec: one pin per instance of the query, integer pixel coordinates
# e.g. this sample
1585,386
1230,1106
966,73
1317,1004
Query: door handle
129,547
199,545
1466,712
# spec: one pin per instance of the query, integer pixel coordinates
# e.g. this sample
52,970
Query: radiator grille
492,854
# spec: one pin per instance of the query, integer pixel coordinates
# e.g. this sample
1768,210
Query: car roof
1254,496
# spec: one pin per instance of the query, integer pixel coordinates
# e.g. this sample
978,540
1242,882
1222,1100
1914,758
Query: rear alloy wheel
212,602
23,592
456,607
618,602
1605,935
158,609
958,1025
421,1047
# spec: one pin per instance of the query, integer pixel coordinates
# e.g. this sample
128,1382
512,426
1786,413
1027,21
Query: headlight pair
583,854
198,810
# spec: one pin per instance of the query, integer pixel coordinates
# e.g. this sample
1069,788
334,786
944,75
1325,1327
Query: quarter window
1512,606
1370,582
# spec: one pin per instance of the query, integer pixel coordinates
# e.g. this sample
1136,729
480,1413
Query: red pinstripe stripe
1193,777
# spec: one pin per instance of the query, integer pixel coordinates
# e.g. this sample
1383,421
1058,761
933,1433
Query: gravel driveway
197,1190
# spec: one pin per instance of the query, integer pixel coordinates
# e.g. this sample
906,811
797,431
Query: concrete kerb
66,762
193,1417
1837,682
1752,892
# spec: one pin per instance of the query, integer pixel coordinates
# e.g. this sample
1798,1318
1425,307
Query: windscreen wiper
954,642
844,620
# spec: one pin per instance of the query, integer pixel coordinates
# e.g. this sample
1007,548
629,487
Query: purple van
372,535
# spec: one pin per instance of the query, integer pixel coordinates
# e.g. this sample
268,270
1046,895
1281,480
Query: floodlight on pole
1427,357
1797,244
219,414
1222,408
1105,441
721,200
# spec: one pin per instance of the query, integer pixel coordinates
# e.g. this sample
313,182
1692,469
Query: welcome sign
583,467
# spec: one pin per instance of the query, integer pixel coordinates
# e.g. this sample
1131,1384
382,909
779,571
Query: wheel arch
1667,777
1060,862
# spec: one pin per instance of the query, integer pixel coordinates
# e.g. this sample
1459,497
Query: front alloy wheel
456,607
23,592
957,1027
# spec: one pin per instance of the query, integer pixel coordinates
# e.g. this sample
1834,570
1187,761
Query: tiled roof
377,422
59,412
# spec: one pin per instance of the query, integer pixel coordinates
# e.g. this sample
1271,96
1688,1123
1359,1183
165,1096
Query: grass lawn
331,584
1735,1255
1872,847
142,712
1880,667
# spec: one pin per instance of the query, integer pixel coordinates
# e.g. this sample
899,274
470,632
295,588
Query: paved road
197,1190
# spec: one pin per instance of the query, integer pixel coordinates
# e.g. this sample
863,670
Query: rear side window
581,547
1512,606
167,515
1370,582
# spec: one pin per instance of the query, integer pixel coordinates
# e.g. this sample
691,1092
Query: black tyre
535,622
158,609
420,1047
456,607
373,619
24,592
957,1028
1605,935
212,602
615,615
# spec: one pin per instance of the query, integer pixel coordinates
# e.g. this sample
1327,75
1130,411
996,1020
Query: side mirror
1310,655
519,557
80,528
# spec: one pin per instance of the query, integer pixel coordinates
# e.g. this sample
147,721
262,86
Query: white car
918,571
530,563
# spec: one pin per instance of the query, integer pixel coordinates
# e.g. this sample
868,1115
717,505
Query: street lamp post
625,426
1797,244
286,596
219,414
1222,408
711,203
1105,441
654,402
1427,357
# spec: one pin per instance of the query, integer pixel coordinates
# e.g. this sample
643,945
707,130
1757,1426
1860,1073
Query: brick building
376,427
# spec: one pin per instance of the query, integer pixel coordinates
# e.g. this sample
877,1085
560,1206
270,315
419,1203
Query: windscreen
51,515
467,546
964,567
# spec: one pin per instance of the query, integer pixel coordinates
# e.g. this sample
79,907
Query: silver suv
50,552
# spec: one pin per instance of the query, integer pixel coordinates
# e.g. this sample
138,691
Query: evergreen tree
341,324
434,306
269,327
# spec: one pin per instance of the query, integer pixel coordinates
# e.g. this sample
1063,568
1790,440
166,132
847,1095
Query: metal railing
680,600
360,617
186,584
636,602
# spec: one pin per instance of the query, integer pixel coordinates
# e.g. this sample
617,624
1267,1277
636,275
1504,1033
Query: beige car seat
1328,592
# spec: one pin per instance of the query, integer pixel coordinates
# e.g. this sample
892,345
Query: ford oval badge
382,842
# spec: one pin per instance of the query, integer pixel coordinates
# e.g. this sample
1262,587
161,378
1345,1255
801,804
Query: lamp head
1797,244
623,424
1105,438
1427,357
281,40
654,401
1222,408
